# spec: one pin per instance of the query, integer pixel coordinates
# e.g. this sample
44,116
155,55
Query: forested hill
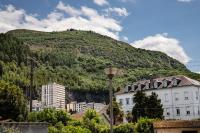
77,60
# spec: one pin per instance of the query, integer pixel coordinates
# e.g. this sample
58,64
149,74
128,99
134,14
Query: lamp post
111,72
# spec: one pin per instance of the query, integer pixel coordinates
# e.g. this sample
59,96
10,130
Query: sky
169,26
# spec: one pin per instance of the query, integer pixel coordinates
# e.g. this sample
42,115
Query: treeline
77,59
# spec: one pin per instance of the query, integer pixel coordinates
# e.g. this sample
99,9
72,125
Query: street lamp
111,72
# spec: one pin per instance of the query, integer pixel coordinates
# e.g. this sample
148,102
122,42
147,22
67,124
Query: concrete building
53,96
83,106
71,106
179,96
96,106
36,105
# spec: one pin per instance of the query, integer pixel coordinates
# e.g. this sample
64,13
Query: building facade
36,105
83,106
53,96
179,96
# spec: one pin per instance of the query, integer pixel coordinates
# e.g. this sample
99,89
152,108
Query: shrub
73,129
144,125
51,116
124,128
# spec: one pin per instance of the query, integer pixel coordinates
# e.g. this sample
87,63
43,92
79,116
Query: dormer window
147,85
165,83
143,86
155,84
129,88
135,87
175,83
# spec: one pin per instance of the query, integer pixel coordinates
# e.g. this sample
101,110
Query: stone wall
24,127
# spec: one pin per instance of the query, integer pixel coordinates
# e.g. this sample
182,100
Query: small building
96,106
83,106
71,106
53,96
36,105
177,126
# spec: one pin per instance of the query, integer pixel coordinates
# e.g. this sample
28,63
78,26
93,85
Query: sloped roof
176,124
183,81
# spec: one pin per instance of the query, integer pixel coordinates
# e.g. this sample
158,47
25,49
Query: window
155,84
177,111
175,82
197,95
176,96
166,97
186,95
121,101
187,110
147,85
127,101
167,112
165,83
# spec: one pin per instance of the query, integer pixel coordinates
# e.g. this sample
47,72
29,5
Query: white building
179,96
96,106
53,96
83,106
36,105
71,106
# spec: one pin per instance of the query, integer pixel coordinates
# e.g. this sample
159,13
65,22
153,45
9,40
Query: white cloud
187,1
84,18
68,9
118,11
163,43
101,2
124,38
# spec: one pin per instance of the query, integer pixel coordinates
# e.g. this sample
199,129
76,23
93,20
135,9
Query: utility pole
31,84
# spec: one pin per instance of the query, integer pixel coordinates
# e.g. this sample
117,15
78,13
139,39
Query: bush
124,128
73,129
144,125
51,116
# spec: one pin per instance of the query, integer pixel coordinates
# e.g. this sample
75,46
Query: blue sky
170,26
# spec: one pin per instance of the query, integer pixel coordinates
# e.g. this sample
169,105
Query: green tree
154,107
117,112
13,104
129,117
140,100
51,116
147,106
124,128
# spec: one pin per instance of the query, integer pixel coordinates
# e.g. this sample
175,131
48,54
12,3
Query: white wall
172,99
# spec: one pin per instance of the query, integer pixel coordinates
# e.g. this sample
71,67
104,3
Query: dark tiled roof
176,124
181,81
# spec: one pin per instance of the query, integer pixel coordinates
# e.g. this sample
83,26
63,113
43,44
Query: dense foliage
117,113
49,115
144,125
12,102
77,59
147,106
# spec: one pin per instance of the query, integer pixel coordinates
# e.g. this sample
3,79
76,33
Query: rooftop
176,124
159,83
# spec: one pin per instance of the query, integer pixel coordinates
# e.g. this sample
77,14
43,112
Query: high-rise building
53,96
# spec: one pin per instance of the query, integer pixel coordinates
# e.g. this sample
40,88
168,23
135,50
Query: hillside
77,60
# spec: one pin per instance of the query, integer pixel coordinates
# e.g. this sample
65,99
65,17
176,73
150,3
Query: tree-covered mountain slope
77,59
